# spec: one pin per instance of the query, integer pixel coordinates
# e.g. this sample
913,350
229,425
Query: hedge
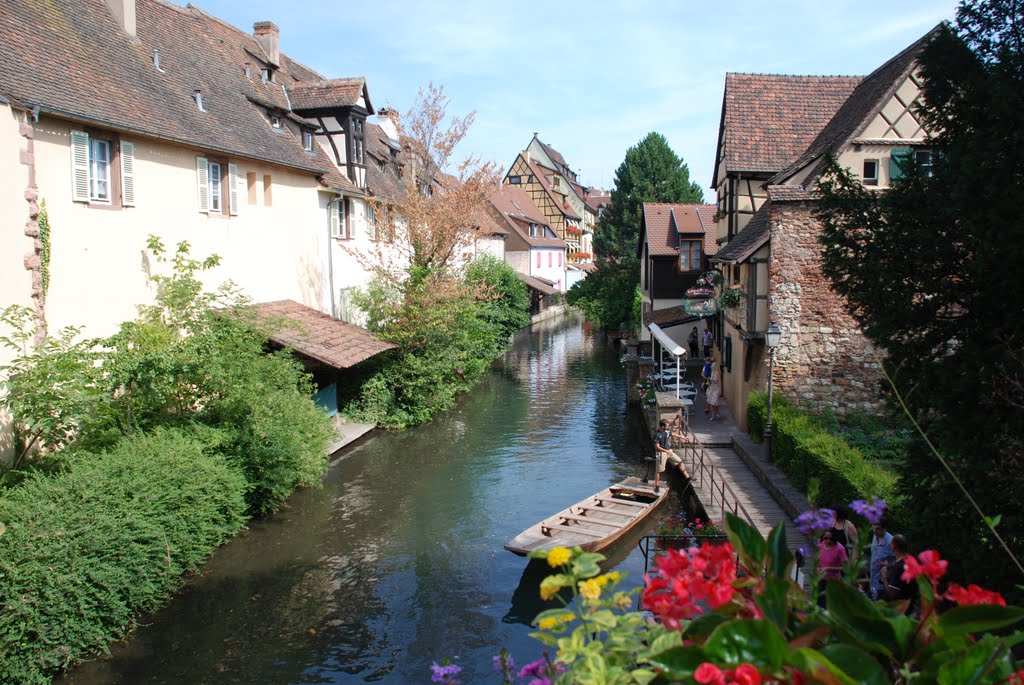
803,450
88,550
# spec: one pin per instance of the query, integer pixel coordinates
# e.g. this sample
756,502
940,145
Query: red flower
930,566
709,674
973,594
746,674
1016,679
685,577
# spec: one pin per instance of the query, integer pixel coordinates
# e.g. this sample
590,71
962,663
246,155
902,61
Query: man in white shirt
881,554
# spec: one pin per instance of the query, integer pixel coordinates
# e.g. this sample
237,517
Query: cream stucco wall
15,280
275,251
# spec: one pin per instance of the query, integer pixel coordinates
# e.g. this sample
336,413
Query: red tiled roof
73,60
664,222
668,317
756,233
314,334
541,285
558,199
768,120
516,208
785,193
329,94
870,95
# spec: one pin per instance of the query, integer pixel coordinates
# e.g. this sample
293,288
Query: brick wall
823,358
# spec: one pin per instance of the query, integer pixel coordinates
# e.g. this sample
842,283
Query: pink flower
973,594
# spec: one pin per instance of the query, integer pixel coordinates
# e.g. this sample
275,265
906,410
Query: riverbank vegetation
138,455
650,172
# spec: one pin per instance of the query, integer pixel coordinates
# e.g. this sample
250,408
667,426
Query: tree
931,272
651,172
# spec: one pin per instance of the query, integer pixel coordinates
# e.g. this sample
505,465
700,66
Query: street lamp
772,336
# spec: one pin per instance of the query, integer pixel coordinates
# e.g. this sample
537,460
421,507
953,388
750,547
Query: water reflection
398,559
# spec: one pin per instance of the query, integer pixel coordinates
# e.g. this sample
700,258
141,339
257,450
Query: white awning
670,345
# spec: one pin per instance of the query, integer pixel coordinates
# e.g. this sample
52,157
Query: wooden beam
589,519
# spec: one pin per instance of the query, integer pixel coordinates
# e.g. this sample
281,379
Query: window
102,169
339,219
371,222
357,151
689,255
250,183
923,158
215,203
870,175
551,258
533,230
556,181
515,180
217,183
902,157
538,259
275,122
307,141
559,259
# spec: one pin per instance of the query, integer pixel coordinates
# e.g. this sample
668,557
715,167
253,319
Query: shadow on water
398,560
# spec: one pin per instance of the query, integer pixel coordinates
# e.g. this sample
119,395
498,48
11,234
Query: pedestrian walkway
736,474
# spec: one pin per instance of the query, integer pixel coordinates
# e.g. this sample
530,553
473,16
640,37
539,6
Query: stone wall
823,358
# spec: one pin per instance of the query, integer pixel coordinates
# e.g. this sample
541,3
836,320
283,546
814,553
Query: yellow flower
549,587
622,601
608,578
590,589
552,621
558,556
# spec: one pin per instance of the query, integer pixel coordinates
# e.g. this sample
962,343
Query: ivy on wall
44,247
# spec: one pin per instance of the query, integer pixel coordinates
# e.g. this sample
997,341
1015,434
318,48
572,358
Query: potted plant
672,532
731,297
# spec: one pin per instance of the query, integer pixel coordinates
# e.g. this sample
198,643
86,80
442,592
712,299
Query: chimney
268,36
387,119
124,12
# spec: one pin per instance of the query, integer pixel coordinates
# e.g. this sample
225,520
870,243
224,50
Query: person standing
662,450
709,341
845,532
881,555
714,394
892,577
693,340
831,558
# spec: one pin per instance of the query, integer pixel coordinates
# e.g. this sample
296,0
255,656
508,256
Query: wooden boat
595,522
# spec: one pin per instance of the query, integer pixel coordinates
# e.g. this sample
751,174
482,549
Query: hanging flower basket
730,298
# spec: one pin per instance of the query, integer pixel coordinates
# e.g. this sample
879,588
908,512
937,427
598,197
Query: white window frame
870,180
216,188
371,222
99,171
686,250
339,220
307,141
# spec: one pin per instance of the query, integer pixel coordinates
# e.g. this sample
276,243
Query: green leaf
994,521
545,638
977,665
773,601
642,676
679,662
779,556
603,618
741,641
978,618
815,665
667,640
702,626
748,542
587,565
859,619
857,664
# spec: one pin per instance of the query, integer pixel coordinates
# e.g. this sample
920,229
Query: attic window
198,97
307,140
275,121
515,180
267,75
248,70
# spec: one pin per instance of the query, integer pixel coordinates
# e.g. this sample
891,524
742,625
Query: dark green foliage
505,300
805,451
607,296
87,551
931,269
651,172
447,335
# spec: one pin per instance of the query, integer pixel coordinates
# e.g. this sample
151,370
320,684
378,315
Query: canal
398,561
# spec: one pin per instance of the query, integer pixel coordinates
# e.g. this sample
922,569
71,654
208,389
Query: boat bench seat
621,501
547,527
589,519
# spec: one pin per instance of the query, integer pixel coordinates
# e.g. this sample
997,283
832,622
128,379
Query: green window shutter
899,163
203,183
127,174
233,188
79,166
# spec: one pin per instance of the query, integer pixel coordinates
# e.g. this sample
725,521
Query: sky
592,79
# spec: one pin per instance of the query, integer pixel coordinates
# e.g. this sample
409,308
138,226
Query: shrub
804,450
86,551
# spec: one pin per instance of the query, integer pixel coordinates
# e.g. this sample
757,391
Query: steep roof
560,202
516,208
664,222
860,107
768,120
383,182
73,60
745,243
330,94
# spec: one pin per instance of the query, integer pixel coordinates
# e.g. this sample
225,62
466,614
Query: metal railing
692,454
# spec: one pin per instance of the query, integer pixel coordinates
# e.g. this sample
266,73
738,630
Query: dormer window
275,121
267,76
307,141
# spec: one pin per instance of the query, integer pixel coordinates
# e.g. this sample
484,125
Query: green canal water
398,560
